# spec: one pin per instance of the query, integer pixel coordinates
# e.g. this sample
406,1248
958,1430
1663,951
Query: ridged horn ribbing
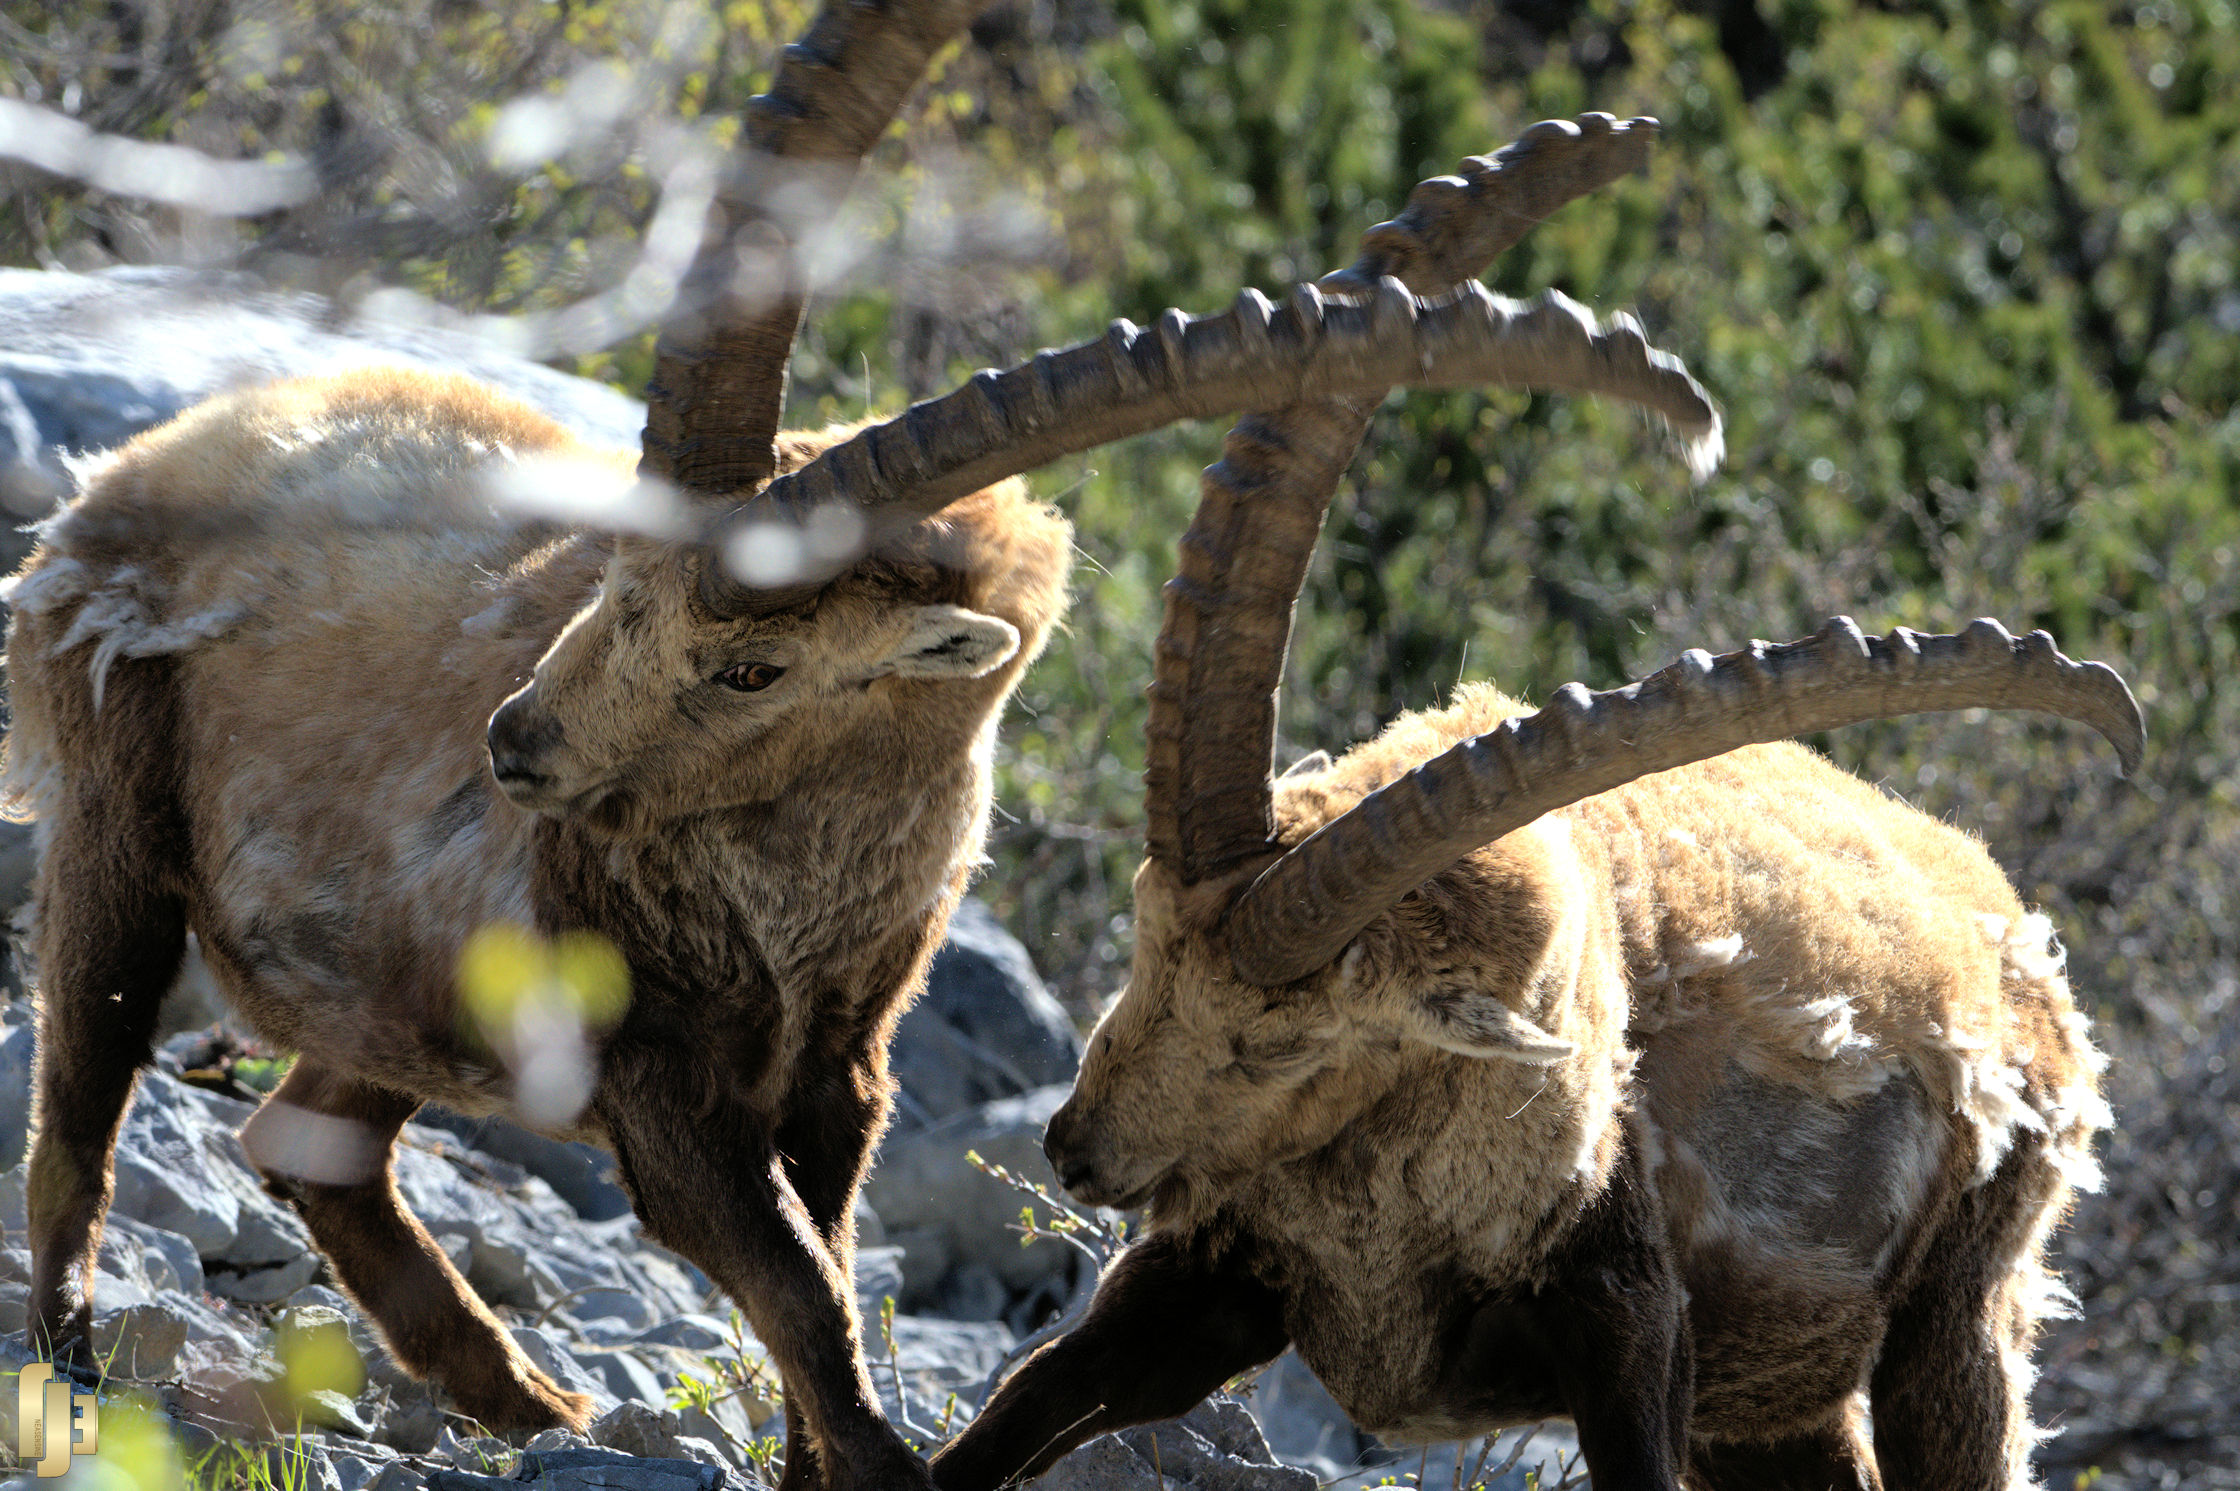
1252,356
719,377
1210,731
1300,914
1453,227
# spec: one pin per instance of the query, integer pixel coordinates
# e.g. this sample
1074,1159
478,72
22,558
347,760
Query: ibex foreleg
1166,1329
323,1143
714,1186
825,1153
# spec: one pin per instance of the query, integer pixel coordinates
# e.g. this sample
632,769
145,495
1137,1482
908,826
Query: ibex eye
749,678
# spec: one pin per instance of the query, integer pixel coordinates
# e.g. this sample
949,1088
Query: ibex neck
810,893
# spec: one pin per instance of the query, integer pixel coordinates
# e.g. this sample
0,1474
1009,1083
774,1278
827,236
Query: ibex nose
519,737
1063,1143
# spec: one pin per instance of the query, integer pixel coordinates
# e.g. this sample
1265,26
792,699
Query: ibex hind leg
110,934
1951,1391
324,1143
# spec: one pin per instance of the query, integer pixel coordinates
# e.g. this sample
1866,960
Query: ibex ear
950,642
1469,1022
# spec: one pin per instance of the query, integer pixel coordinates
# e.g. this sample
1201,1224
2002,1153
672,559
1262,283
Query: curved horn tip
2126,727
2117,716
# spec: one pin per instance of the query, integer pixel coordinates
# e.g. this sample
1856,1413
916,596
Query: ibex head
683,688
1279,980
650,703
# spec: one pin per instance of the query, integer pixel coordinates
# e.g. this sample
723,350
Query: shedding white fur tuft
119,617
1701,957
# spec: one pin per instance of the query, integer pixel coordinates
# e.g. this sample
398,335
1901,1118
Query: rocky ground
209,1288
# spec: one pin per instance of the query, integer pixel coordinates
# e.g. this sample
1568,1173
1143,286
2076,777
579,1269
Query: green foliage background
1961,272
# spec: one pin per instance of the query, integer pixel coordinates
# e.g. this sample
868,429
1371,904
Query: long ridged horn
1251,356
1303,910
1210,731
719,378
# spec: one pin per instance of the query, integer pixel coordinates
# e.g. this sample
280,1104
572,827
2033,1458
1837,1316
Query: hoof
530,1400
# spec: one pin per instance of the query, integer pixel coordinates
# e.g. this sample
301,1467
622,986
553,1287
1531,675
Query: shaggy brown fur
1743,1084
253,664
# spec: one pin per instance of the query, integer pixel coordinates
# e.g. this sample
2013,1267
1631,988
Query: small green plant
235,1466
745,1375
1094,1236
261,1073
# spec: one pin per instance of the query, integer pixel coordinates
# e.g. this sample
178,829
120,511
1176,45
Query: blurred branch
172,174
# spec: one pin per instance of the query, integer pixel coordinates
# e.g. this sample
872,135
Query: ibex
1518,1067
285,677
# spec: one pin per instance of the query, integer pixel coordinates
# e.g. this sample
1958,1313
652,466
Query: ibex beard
255,666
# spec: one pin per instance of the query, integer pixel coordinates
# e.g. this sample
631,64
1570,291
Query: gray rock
468,1480
113,1293
15,1072
694,1332
723,1430
581,1175
476,1454
90,360
180,1168
1547,1451
1214,1447
973,1292
140,1341
301,1465
986,1027
154,1257
560,1365
607,1470
265,1286
1103,1464
325,1408
397,1476
946,1214
639,1429
319,1296
878,1279
357,1466
411,1422
622,1374
937,1358
501,1269
1217,1446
